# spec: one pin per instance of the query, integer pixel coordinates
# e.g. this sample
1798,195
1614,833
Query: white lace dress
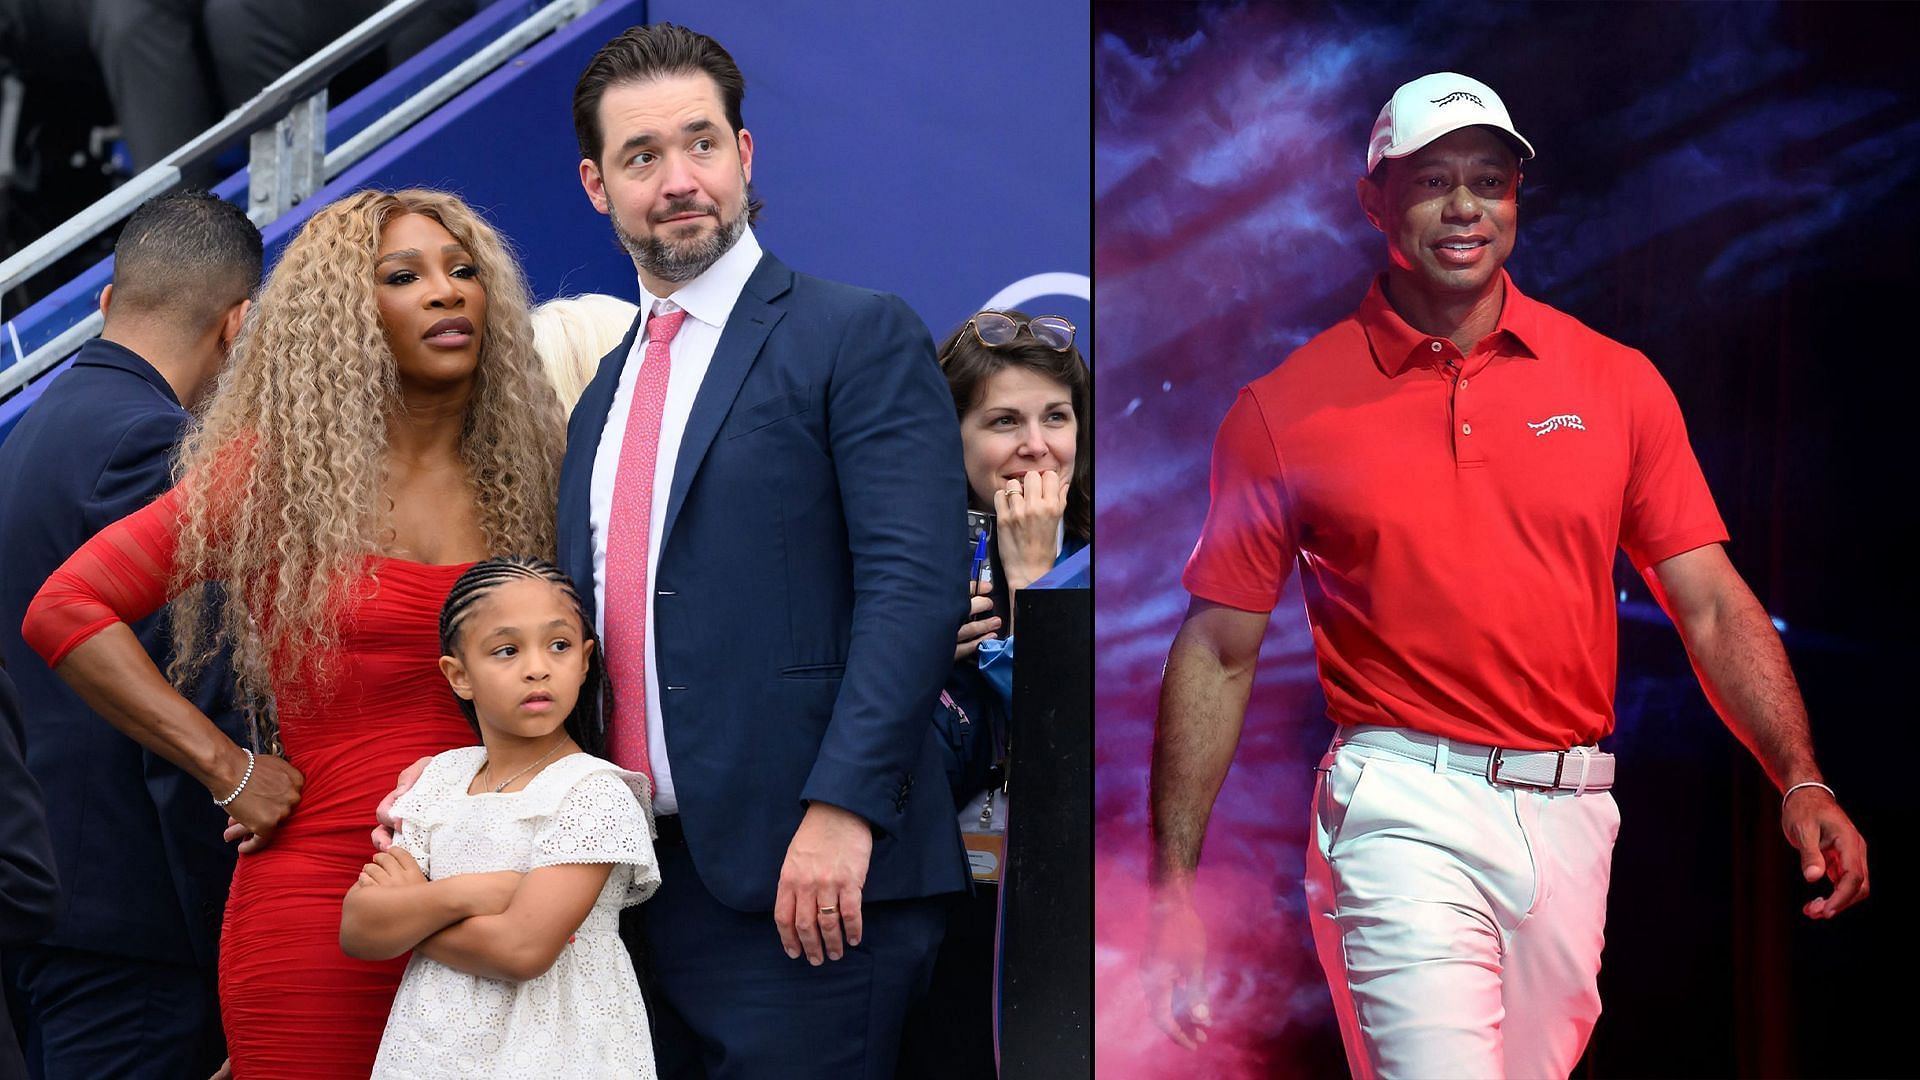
583,1017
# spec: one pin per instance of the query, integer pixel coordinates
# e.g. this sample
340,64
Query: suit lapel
597,399
746,331
588,423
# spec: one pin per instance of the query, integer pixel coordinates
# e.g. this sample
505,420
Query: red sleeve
1668,509
1245,550
120,575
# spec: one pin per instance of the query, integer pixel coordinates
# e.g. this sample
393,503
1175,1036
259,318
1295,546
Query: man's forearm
1743,668
1203,703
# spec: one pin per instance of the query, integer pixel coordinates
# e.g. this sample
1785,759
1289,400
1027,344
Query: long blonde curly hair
283,481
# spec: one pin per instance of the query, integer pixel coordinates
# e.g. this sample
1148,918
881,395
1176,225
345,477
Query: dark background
1729,187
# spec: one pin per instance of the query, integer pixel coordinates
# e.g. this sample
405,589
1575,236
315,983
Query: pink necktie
627,538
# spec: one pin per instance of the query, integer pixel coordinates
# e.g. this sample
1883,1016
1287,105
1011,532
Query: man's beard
682,262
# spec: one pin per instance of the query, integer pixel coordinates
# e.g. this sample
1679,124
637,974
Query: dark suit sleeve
29,892
138,470
896,450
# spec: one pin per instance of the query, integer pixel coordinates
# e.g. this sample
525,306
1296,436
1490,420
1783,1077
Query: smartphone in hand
979,535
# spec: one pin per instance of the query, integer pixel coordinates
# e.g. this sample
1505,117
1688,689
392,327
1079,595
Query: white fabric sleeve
599,820
413,837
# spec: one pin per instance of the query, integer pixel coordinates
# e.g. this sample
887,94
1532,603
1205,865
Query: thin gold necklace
488,767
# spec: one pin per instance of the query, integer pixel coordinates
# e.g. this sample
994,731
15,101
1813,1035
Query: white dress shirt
708,300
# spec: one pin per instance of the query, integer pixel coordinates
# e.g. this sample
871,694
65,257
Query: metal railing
287,159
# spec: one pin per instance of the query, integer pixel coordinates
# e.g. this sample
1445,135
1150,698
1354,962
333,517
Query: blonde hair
572,333
284,489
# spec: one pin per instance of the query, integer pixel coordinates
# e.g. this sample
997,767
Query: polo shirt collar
1398,346
711,296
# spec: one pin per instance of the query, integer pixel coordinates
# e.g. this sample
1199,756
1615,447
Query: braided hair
586,724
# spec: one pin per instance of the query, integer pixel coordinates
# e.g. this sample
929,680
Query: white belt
1580,769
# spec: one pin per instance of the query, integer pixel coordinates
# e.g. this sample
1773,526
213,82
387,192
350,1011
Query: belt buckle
1494,777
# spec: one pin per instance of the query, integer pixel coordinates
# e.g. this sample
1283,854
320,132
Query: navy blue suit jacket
29,894
812,576
143,871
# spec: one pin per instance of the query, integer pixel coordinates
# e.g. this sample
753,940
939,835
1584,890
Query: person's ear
456,673
1372,201
106,296
594,184
230,325
745,141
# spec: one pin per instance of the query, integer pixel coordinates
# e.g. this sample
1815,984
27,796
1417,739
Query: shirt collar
711,296
1398,346
104,353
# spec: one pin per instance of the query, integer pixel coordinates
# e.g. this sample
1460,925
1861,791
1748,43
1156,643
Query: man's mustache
689,206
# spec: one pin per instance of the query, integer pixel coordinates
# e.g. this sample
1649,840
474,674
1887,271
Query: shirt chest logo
1555,423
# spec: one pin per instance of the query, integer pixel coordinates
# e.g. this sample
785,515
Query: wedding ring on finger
830,909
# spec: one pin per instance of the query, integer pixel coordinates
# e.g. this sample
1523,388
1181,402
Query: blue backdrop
931,150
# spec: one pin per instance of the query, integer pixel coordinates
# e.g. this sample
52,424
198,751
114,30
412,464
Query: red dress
292,1003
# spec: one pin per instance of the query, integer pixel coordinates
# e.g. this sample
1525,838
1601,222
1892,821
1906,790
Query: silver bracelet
1806,783
243,782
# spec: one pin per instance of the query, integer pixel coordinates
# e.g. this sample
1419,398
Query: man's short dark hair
188,257
650,52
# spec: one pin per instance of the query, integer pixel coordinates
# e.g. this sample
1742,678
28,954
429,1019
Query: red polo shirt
1455,517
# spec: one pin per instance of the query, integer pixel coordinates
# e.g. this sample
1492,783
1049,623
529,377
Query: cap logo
1456,96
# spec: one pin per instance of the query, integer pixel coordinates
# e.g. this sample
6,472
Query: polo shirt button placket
1466,449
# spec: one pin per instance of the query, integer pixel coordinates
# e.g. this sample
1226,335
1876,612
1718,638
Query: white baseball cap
1431,106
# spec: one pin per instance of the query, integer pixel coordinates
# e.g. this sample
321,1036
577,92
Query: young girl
513,858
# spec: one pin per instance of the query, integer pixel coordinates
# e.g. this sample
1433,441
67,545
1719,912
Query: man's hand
1829,845
1027,517
1173,971
977,630
224,1072
826,867
383,832
271,794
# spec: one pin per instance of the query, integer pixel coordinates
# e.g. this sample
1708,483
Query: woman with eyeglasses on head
1022,392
